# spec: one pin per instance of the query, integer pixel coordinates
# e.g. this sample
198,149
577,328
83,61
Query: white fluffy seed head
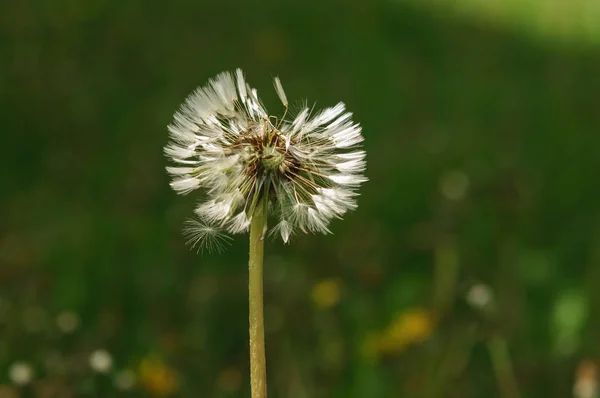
224,141
101,361
21,373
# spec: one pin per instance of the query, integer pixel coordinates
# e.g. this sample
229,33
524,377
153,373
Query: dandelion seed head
223,141
101,361
20,373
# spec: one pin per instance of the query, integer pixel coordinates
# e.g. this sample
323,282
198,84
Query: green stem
503,367
258,367
447,268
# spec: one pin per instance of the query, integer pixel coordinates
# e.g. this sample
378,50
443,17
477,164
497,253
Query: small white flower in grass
480,296
20,373
222,140
101,361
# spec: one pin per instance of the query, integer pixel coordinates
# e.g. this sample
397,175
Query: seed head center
272,158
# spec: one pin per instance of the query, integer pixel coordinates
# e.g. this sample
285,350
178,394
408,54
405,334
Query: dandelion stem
258,368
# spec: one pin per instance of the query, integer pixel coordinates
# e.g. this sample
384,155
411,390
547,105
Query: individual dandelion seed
223,140
203,236
304,171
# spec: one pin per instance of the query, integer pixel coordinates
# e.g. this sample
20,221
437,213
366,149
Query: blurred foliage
573,22
468,270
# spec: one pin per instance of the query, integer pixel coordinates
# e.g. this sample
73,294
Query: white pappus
223,140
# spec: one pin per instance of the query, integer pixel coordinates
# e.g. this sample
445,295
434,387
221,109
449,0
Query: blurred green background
470,268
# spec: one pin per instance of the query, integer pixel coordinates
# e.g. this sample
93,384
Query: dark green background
88,222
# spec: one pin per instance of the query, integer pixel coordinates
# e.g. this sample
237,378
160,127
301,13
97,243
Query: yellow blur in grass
157,378
326,293
410,327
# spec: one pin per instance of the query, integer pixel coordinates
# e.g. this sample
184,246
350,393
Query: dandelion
302,171
586,380
410,327
20,373
156,377
307,169
326,293
101,361
480,296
